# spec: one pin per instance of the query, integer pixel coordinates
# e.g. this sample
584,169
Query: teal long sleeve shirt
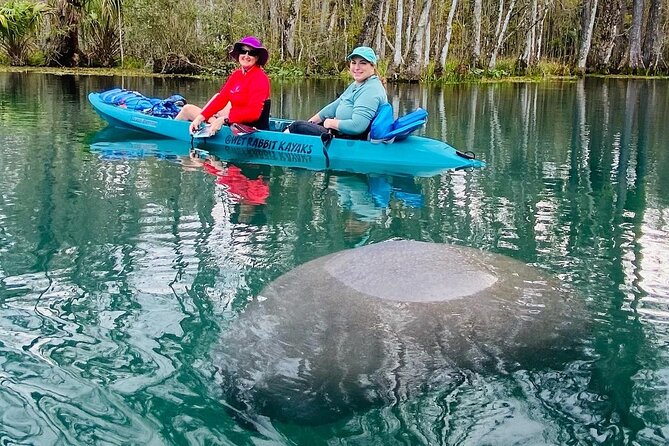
357,106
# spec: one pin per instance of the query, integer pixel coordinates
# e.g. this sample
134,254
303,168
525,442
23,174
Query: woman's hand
197,122
331,123
216,125
315,119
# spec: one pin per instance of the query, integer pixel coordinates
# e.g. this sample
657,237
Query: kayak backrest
382,123
400,128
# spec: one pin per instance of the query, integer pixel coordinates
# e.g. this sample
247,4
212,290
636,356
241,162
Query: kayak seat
384,129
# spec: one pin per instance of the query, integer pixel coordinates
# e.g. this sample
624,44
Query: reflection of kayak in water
368,196
415,155
249,191
138,149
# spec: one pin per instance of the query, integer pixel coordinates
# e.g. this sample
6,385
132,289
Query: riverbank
448,79
134,72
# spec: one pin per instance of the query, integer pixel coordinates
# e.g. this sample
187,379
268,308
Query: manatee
380,324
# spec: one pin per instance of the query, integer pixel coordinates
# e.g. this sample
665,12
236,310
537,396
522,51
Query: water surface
121,269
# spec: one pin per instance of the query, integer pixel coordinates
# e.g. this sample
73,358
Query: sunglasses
253,53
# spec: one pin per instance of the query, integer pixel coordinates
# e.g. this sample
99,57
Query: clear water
120,270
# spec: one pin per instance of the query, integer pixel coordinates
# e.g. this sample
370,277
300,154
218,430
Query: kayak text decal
265,144
144,121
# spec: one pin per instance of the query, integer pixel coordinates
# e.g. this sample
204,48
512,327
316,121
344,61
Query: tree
500,31
290,27
63,43
18,22
587,26
399,22
371,24
449,32
634,61
414,63
654,36
475,60
610,23
101,32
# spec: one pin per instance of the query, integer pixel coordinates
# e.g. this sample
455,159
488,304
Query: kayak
415,155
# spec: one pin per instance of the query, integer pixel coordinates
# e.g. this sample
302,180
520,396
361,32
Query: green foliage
155,28
382,67
496,73
286,70
429,73
19,21
506,65
133,63
551,68
100,32
36,59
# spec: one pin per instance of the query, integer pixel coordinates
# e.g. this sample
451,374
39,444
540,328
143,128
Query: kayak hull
415,155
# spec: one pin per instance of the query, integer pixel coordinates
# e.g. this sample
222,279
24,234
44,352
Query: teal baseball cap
365,52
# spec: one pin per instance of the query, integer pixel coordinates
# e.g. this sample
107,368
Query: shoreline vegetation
449,41
134,72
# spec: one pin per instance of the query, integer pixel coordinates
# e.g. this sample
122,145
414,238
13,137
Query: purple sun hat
253,42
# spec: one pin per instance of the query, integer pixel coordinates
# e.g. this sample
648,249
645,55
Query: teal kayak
415,155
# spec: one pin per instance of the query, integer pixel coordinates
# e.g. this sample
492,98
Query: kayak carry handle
467,155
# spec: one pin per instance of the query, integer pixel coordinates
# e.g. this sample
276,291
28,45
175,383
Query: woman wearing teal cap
351,114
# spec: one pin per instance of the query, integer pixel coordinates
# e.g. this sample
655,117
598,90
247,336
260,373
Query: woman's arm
250,109
218,101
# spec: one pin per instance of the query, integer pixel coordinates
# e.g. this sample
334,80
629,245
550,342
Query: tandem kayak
415,155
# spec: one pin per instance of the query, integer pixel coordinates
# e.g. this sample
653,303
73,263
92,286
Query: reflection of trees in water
565,187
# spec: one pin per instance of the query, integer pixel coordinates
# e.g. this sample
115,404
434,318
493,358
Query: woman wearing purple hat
351,114
242,99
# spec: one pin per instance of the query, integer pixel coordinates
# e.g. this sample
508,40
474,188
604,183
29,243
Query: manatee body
383,323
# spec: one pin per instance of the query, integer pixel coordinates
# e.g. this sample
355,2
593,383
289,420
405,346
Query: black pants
309,128
306,128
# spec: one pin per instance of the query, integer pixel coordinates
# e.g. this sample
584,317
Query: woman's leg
306,128
188,112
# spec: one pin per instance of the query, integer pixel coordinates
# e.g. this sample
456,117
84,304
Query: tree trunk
476,49
449,33
635,62
409,23
652,52
414,64
527,59
587,25
543,12
609,30
371,21
64,46
383,25
399,24
428,43
501,31
290,26
275,26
